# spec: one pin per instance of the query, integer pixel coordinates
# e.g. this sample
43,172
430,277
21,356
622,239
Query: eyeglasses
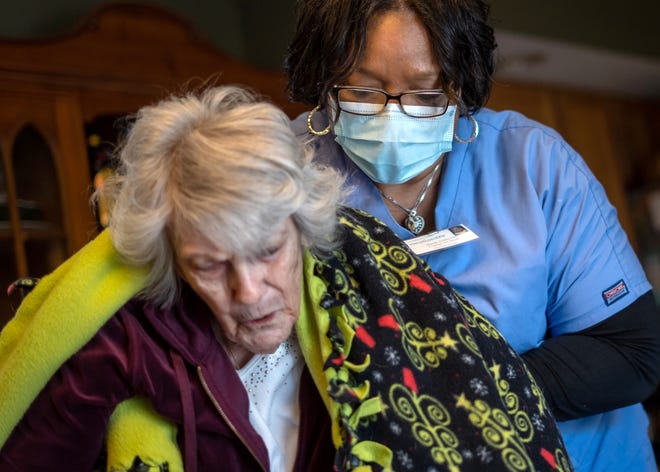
370,101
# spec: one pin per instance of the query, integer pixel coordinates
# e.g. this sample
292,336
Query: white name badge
442,239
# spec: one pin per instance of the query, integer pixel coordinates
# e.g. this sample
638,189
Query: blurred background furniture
61,104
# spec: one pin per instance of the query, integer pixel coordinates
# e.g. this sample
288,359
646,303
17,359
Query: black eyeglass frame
388,96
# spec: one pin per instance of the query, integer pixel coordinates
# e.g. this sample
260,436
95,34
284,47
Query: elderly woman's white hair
222,163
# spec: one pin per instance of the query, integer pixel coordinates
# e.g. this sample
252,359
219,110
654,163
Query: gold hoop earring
309,123
475,133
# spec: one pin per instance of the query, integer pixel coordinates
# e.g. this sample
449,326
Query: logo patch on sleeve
615,292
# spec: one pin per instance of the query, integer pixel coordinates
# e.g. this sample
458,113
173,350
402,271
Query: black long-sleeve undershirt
612,364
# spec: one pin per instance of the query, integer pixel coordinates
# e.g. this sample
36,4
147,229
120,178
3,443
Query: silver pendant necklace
414,222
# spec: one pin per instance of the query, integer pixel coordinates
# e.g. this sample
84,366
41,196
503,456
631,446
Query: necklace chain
414,222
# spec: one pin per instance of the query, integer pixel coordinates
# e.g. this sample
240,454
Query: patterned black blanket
424,382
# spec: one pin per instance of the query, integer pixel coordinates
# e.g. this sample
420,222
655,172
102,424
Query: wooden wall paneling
586,126
535,102
635,132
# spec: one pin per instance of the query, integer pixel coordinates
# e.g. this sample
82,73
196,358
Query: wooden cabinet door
44,186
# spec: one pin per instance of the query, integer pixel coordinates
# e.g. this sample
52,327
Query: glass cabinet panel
32,236
38,200
37,187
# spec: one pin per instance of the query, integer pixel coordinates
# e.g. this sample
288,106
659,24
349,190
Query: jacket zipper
224,416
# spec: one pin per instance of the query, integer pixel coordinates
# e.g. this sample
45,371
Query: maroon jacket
172,358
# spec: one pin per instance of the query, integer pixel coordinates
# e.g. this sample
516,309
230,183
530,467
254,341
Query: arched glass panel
39,203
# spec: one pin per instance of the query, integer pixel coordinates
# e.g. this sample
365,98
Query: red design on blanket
419,284
549,458
388,321
409,380
365,337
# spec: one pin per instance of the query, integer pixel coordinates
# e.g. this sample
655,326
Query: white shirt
272,383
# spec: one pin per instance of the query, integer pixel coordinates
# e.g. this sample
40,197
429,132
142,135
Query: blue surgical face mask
392,147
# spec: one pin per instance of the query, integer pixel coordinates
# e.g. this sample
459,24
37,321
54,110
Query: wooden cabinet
44,215
122,57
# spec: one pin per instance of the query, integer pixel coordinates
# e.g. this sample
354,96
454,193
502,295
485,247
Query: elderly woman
236,317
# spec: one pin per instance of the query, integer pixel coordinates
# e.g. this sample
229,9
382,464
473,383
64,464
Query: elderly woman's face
254,297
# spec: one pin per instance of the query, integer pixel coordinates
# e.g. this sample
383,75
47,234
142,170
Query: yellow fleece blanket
28,355
69,306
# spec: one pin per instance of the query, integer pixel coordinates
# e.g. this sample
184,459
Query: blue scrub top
551,257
